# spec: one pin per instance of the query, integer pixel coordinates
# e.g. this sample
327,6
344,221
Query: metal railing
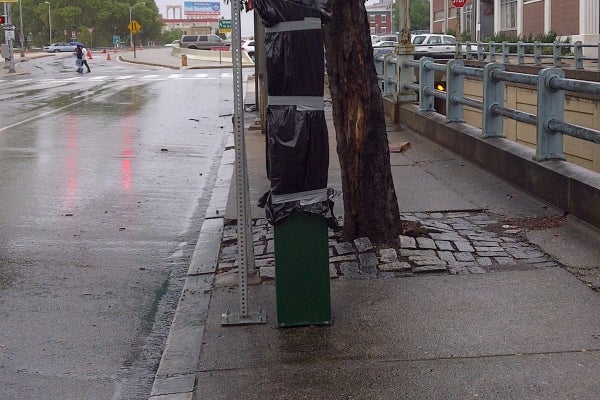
550,83
533,53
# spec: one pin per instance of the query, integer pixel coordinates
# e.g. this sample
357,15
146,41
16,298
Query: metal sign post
459,4
244,221
9,35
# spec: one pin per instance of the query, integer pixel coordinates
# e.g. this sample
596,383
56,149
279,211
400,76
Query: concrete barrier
211,55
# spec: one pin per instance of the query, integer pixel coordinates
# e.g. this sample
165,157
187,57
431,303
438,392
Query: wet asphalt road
104,182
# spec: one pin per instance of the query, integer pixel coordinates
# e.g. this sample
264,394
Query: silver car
59,47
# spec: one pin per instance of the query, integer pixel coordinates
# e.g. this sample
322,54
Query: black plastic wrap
297,138
295,59
298,149
278,212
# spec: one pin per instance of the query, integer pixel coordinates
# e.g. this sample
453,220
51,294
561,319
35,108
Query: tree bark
370,203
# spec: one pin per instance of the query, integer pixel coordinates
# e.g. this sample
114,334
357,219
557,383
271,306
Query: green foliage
419,15
463,37
169,36
106,18
550,37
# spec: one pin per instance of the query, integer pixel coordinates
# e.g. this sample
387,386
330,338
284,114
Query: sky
247,18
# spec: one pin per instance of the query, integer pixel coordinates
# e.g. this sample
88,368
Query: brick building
380,17
578,20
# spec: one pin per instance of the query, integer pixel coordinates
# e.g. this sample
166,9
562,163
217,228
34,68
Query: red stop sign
459,3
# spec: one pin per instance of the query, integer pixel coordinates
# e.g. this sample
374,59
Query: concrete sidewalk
19,61
480,304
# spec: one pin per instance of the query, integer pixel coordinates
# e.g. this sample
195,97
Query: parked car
59,47
174,43
248,47
202,42
433,45
385,43
388,38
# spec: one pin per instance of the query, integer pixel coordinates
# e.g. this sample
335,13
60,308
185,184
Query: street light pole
49,23
130,31
21,26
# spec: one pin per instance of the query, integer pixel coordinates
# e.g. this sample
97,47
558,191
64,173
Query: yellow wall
579,111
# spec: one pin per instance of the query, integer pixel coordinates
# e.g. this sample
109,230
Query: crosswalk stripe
84,77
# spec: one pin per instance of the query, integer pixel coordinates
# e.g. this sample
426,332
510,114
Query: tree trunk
370,203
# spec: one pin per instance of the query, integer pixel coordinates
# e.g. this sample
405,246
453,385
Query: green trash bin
302,271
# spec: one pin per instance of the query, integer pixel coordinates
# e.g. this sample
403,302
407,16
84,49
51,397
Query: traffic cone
89,55
103,51
108,56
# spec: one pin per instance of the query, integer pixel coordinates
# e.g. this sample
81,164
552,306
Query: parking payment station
297,205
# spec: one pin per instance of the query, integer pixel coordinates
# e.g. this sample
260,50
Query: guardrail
550,83
533,52
522,53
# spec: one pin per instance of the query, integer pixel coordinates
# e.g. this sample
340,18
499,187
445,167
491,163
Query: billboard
202,9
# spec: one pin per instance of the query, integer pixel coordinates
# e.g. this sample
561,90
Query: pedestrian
79,60
84,57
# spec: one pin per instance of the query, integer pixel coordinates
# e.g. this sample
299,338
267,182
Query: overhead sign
224,25
134,26
202,9
459,3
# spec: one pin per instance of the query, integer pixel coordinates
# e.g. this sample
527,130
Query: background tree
169,36
419,15
107,18
370,203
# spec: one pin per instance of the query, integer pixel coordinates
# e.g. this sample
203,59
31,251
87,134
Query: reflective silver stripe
304,103
307,24
305,198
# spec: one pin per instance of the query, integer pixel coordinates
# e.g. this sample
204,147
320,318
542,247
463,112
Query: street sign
9,34
134,26
459,3
225,25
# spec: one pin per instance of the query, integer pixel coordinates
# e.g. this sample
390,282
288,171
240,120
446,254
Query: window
383,18
468,21
372,18
435,40
449,40
508,14
419,39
